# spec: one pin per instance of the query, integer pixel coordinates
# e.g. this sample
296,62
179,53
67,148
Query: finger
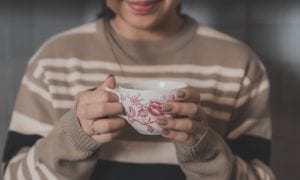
110,82
98,110
179,136
106,137
187,94
91,97
86,125
108,125
181,124
181,109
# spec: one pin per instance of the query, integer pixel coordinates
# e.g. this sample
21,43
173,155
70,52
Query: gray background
270,27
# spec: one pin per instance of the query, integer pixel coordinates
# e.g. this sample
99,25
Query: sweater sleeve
45,142
244,153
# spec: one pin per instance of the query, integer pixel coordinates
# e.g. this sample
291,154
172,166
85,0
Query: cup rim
125,86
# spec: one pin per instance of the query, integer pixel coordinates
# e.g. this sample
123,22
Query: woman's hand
97,110
188,124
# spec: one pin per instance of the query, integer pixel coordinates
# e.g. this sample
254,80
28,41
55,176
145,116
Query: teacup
143,101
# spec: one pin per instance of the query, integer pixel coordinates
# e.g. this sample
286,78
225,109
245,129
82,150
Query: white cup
142,102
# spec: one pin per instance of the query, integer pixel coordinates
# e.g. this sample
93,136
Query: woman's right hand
97,113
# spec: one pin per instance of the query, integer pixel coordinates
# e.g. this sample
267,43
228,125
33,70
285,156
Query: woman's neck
158,32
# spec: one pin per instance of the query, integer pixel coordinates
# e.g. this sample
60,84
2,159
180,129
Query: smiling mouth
143,7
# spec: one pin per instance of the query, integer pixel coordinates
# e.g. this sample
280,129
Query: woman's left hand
187,124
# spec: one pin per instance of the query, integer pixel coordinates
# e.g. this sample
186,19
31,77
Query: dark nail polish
110,75
161,122
180,94
167,108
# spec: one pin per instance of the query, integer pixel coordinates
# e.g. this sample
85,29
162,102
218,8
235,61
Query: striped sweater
45,140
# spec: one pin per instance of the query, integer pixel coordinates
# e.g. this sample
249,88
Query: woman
71,129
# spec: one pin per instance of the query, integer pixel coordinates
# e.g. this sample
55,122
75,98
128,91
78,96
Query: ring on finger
94,132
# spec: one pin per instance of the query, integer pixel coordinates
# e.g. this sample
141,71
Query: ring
93,129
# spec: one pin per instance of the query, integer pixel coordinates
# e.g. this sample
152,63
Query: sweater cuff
202,151
74,133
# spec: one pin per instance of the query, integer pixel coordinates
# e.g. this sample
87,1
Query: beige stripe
217,99
46,95
222,115
26,125
264,85
139,152
36,89
175,68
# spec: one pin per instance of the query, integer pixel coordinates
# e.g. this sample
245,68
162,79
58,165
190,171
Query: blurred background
270,27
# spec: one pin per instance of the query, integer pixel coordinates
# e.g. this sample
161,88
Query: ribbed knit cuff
75,134
202,151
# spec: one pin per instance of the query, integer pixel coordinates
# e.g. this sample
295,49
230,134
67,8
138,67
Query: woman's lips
142,7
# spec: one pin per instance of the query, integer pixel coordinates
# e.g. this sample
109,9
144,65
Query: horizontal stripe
76,76
222,115
264,85
175,68
15,159
246,125
139,152
36,89
20,173
46,95
32,165
26,125
217,99
46,172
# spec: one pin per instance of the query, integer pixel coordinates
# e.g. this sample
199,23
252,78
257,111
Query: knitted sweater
45,140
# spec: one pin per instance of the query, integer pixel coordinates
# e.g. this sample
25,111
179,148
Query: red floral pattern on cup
145,111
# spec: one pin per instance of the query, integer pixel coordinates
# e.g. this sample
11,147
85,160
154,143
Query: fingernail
110,75
161,122
165,132
167,108
180,94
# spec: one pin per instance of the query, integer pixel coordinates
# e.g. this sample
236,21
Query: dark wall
270,27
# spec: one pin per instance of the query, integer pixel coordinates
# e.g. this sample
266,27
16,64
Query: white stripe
210,32
262,174
241,129
222,115
263,86
75,76
36,89
217,99
46,95
139,152
32,165
20,174
26,125
48,174
15,159
176,68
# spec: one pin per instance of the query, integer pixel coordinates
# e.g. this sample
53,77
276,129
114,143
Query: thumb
110,82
